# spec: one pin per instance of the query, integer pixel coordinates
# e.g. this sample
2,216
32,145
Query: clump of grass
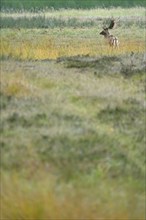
44,22
5,99
42,198
16,85
88,62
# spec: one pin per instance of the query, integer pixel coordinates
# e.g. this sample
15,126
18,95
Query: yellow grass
40,198
52,49
16,84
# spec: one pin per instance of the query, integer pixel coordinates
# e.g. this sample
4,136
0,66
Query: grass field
72,115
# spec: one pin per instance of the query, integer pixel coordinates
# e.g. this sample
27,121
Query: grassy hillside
72,115
21,4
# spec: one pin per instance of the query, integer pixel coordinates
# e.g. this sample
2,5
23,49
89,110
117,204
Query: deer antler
112,24
112,40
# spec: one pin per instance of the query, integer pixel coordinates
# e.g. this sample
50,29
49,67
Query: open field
72,116
54,34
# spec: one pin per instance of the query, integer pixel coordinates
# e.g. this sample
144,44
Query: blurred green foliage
56,4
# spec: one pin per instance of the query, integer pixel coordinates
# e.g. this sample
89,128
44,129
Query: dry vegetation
72,117
49,46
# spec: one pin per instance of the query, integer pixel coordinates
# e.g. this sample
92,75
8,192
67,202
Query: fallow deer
112,40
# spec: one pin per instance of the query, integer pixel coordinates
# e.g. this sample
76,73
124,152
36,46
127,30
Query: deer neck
107,35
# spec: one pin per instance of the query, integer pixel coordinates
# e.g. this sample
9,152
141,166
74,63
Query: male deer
112,40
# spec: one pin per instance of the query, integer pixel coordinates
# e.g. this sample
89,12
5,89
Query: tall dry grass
49,48
42,198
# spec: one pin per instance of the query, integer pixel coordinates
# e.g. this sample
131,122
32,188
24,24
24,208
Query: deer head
105,31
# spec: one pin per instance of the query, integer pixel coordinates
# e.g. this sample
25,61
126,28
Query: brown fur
112,40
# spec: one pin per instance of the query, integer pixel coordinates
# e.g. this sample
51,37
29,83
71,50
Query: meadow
72,115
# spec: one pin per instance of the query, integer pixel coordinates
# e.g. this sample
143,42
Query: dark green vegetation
37,4
41,21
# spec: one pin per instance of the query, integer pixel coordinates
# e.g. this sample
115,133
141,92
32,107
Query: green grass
73,18
37,5
58,42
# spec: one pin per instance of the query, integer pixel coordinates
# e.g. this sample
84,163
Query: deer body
112,40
